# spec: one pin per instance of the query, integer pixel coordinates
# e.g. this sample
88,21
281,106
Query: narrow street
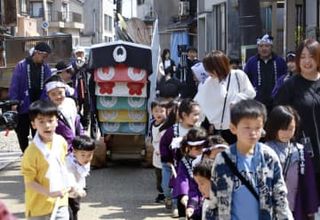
121,191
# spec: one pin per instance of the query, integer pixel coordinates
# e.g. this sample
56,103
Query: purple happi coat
65,131
185,184
19,85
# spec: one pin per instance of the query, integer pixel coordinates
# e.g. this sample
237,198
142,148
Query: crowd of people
246,144
57,106
228,143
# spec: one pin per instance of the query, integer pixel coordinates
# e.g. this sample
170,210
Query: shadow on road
124,190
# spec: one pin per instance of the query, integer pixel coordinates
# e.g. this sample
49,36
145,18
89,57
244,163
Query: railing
55,16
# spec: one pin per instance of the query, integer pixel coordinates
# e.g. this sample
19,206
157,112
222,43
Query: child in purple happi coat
281,130
186,189
69,124
177,126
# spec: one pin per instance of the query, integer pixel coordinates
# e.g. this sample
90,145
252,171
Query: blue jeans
166,175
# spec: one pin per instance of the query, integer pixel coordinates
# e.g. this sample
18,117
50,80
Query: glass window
23,6
108,23
36,9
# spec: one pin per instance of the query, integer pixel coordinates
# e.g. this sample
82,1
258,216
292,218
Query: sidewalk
9,149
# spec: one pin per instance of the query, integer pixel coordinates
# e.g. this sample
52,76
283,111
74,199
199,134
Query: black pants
159,179
23,130
74,207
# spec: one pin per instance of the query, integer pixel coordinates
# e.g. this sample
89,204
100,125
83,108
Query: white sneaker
175,213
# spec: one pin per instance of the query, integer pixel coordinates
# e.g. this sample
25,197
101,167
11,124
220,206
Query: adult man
27,86
189,85
84,91
264,69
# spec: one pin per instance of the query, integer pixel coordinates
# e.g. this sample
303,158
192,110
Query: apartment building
56,16
98,22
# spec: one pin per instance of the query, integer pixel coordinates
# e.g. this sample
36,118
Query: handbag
236,172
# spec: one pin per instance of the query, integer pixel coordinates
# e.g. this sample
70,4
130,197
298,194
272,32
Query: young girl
69,121
215,146
158,111
188,116
297,167
186,189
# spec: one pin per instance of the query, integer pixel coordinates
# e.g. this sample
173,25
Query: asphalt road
122,191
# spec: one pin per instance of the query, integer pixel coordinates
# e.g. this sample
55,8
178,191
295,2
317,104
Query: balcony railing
56,16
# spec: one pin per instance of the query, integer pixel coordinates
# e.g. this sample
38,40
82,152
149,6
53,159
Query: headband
195,143
216,146
55,84
265,39
67,68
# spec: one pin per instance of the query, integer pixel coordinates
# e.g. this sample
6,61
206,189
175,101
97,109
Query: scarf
57,172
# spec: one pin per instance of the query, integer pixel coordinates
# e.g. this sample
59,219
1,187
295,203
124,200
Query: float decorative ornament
119,54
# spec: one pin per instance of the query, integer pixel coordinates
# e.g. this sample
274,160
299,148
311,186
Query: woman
168,86
302,92
221,89
168,64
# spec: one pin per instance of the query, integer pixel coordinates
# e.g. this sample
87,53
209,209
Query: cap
42,47
265,39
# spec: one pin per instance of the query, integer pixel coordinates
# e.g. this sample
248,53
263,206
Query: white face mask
80,62
197,160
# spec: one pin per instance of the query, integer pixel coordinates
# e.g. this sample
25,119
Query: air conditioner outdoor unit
184,8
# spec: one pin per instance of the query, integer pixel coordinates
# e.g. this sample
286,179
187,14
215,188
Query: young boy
78,165
261,192
43,166
159,115
202,176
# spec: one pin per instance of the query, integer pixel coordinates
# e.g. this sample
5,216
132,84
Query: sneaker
160,198
175,213
168,203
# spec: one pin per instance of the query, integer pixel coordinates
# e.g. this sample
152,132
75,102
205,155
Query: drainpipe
94,24
45,16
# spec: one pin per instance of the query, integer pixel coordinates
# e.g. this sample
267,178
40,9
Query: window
107,39
219,27
108,23
140,2
23,6
65,11
36,9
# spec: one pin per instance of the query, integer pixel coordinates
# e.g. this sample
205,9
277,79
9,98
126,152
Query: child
69,121
297,166
78,165
43,166
246,179
216,145
188,115
186,189
202,176
159,116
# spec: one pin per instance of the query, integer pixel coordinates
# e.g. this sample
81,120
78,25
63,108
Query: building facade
98,22
47,17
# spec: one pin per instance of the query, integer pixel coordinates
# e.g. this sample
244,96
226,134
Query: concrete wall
94,19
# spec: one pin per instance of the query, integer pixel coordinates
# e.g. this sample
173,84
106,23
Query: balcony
61,19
